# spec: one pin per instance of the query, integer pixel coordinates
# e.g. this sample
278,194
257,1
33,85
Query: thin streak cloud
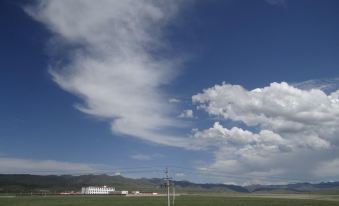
11,165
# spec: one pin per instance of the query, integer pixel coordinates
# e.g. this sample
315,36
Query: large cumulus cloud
297,129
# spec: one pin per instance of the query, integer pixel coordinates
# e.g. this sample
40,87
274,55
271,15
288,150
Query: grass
158,201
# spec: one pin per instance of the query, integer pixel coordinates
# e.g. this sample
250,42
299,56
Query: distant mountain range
24,183
321,188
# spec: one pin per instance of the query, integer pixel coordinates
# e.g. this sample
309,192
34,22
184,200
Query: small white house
92,190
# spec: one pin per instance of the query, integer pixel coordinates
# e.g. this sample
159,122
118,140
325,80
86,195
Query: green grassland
158,201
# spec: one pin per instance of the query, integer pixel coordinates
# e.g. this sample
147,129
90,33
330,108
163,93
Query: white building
123,192
91,190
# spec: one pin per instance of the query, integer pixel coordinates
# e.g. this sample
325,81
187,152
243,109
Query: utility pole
173,192
168,187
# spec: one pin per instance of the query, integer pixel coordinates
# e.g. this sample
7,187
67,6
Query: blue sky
86,87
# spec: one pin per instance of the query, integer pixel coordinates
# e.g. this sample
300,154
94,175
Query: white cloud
179,174
174,100
141,157
279,107
20,166
297,130
111,63
187,114
146,157
327,85
266,140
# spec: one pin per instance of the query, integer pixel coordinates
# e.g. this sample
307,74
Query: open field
180,201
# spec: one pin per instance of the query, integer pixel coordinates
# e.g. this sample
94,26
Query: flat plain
185,200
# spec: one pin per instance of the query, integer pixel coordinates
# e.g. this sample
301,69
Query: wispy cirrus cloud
141,157
113,61
327,85
174,100
145,157
11,165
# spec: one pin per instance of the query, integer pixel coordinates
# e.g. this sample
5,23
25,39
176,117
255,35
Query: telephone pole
173,192
168,187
